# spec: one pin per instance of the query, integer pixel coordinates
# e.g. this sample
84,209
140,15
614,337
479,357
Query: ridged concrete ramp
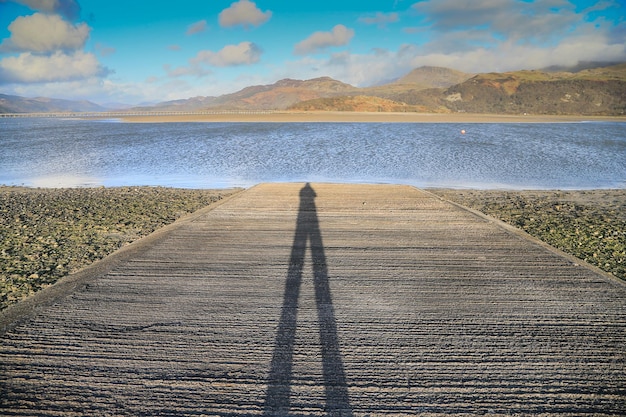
342,300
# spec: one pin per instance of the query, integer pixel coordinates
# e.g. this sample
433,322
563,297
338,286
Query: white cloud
67,8
380,19
540,20
104,50
195,70
109,90
197,27
245,53
44,33
617,34
94,89
455,14
50,48
361,70
338,36
245,13
510,56
31,68
381,65
504,35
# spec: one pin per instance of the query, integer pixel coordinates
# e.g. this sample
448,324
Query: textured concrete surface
342,300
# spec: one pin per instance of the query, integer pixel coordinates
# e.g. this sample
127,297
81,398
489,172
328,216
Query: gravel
46,234
589,224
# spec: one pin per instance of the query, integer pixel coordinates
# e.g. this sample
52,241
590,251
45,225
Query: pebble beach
49,233
588,224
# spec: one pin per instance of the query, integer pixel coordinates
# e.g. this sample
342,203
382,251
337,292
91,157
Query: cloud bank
31,68
48,48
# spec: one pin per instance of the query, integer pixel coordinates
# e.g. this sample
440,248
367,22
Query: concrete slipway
310,300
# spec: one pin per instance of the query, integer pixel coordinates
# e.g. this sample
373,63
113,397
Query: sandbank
359,117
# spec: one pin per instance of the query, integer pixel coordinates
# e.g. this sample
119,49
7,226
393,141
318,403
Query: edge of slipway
519,232
20,312
17,313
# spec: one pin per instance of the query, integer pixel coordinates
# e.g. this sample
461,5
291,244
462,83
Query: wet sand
362,117
48,233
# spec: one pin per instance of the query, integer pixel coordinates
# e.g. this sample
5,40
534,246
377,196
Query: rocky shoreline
589,224
48,233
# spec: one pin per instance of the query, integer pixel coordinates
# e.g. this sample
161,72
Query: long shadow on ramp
277,401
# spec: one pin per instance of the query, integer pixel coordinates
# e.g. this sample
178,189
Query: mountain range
17,104
587,89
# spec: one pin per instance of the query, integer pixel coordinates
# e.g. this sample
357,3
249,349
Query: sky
147,51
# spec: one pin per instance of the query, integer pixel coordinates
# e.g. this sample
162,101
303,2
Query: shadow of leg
279,384
337,399
277,401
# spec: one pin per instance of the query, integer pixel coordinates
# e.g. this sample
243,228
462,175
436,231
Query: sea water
49,152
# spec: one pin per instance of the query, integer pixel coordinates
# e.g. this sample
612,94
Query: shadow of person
277,400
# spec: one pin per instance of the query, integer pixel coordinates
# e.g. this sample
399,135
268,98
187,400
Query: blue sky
136,51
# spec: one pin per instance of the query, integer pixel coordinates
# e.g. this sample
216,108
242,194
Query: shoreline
51,232
587,224
361,117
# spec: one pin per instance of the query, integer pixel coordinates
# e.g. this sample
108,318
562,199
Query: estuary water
50,152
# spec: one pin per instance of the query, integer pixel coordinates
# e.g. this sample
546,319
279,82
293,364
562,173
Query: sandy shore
362,117
48,233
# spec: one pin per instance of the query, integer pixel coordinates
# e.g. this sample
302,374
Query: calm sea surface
60,153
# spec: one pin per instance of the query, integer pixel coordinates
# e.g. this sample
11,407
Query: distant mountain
17,104
433,77
288,92
420,79
355,104
277,96
189,104
119,106
580,66
589,90
598,91
285,93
